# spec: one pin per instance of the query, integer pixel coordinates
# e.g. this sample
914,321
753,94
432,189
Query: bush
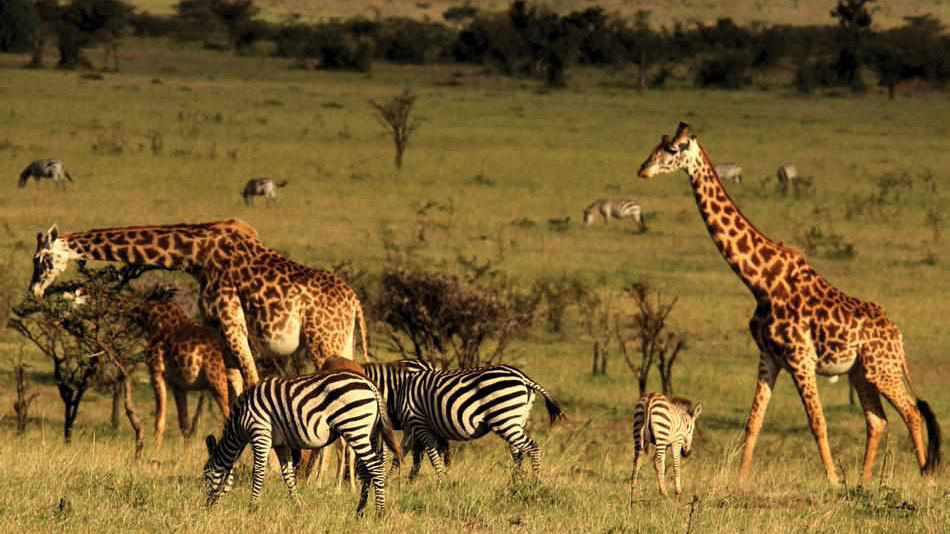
728,70
334,45
18,22
404,40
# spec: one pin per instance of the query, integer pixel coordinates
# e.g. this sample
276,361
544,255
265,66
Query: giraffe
802,323
186,356
246,290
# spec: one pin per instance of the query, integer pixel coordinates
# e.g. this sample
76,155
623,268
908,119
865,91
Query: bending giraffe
802,323
246,289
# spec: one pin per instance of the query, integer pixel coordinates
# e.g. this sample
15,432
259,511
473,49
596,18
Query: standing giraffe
185,356
802,323
247,290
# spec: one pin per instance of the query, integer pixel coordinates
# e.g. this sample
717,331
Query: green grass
550,155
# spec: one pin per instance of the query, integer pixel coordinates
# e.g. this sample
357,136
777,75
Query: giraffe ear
211,443
53,233
698,409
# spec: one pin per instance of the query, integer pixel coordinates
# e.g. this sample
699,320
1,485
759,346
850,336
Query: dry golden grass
549,156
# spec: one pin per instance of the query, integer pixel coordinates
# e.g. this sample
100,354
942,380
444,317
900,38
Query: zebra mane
682,403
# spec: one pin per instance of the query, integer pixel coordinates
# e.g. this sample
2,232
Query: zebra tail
554,410
933,438
385,427
68,177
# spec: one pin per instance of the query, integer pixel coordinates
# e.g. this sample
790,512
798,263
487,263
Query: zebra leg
637,462
426,440
518,440
287,470
416,461
677,484
260,446
659,462
370,469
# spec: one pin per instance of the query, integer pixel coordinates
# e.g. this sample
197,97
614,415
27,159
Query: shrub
18,22
728,70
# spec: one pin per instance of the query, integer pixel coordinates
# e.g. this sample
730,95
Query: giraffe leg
157,376
807,385
891,385
219,389
233,327
768,373
181,403
875,419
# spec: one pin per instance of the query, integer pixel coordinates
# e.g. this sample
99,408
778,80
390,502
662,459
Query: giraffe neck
163,318
746,249
180,247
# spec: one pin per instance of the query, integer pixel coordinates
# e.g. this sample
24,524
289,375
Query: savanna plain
503,155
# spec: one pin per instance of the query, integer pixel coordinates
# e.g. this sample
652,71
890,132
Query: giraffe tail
933,438
363,334
933,430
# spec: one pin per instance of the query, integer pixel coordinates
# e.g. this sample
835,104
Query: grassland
223,119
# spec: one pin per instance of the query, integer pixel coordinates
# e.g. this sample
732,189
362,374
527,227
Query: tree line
527,40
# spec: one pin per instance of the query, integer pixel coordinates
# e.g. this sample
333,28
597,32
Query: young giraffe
186,356
802,323
247,290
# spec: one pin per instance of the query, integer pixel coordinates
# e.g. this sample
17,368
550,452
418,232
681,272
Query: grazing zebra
52,169
438,406
729,171
261,187
786,174
388,377
665,423
307,412
617,209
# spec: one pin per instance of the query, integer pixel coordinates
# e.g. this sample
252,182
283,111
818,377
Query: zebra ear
211,443
698,409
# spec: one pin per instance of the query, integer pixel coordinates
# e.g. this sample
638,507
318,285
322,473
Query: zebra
52,169
388,377
666,423
438,406
261,187
617,209
730,171
786,174
306,412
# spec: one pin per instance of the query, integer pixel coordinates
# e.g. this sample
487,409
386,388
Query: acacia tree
79,339
648,328
395,115
854,29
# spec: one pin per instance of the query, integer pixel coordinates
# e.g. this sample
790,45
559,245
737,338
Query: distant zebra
51,169
438,406
617,209
306,412
786,174
665,423
261,187
729,171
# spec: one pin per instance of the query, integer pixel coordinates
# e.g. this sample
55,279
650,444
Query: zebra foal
307,412
616,209
51,169
729,171
667,423
436,407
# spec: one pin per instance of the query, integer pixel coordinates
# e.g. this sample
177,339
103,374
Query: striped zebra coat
439,406
261,187
307,412
668,425
729,171
51,169
616,209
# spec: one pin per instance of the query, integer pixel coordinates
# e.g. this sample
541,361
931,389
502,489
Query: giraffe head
49,261
671,154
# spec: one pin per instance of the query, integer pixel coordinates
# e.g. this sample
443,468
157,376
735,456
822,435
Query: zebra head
588,216
670,155
49,261
218,478
691,427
